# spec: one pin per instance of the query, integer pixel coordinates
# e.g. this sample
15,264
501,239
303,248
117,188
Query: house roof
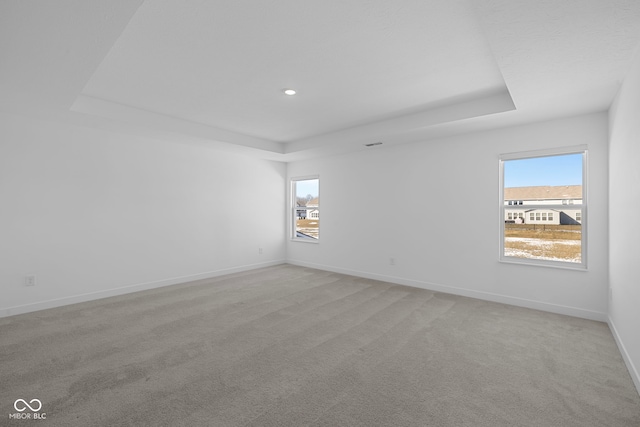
313,202
544,192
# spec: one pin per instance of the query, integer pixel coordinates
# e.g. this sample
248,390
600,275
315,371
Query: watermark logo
34,405
21,405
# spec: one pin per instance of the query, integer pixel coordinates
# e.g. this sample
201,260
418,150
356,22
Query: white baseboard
487,296
633,371
59,302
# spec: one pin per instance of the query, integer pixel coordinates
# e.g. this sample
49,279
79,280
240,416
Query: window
305,211
542,181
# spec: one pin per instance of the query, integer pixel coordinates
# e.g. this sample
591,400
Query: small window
548,180
305,211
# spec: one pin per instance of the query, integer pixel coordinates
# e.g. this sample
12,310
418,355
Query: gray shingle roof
544,192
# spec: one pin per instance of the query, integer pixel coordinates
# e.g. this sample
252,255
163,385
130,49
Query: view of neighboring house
307,225
305,212
301,213
526,204
313,213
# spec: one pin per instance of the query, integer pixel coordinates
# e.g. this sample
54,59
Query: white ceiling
365,70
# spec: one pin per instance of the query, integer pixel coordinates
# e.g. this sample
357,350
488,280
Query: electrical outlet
392,261
30,280
260,251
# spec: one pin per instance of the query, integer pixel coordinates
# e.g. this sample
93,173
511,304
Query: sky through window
550,170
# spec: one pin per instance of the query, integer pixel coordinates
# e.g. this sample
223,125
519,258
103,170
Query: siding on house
313,213
305,212
519,200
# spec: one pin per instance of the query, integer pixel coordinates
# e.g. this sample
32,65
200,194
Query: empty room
329,213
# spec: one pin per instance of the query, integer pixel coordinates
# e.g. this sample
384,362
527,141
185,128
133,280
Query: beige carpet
291,346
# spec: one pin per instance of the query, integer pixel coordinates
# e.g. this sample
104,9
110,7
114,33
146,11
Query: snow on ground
541,244
517,253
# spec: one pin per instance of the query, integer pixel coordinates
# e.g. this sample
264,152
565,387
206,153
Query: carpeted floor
291,346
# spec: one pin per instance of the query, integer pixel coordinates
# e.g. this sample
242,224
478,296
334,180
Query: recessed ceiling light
289,92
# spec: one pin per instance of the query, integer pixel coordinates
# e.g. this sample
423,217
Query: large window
305,209
543,207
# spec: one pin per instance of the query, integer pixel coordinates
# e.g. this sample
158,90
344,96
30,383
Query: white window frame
294,209
580,149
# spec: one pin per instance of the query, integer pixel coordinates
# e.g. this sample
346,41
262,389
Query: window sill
544,263
313,242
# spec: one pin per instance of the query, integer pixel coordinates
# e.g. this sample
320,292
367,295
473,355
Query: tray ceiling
391,71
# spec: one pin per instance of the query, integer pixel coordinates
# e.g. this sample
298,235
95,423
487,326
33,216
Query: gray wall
624,230
93,213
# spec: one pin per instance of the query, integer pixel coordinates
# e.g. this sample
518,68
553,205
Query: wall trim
633,371
487,296
90,296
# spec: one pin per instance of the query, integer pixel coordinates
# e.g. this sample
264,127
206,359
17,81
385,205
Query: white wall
624,229
92,213
433,206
